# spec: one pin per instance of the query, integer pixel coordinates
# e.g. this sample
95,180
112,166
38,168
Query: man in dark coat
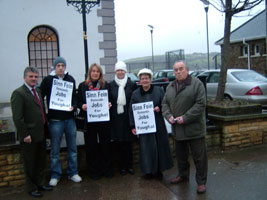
61,122
29,119
184,107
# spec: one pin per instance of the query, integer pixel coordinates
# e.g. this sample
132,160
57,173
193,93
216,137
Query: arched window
43,49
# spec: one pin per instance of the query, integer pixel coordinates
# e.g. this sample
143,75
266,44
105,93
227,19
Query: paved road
232,176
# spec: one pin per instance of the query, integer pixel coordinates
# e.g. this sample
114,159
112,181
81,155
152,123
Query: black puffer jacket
46,88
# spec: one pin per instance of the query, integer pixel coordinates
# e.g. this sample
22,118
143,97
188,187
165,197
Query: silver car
240,84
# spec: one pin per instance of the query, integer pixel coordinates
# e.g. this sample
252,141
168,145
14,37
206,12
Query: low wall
241,131
226,133
11,166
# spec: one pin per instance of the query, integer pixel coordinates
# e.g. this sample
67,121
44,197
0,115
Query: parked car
165,75
240,84
196,73
133,77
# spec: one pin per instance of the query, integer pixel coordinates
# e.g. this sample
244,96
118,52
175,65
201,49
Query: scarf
93,85
121,101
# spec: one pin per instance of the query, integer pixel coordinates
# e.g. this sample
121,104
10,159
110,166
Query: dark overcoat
28,119
155,154
190,103
27,115
120,128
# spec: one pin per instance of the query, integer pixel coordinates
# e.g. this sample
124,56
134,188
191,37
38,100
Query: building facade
34,32
248,45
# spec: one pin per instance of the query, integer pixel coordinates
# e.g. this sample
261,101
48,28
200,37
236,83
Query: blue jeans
57,128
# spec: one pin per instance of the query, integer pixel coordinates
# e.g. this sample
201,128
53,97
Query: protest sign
97,106
144,117
61,95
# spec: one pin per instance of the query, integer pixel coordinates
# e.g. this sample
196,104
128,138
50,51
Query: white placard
144,117
61,95
97,106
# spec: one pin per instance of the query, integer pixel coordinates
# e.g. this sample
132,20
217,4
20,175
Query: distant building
248,44
34,32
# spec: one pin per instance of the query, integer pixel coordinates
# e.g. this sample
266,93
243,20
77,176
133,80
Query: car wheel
228,97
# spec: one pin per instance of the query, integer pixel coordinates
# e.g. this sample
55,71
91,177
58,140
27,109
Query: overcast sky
178,24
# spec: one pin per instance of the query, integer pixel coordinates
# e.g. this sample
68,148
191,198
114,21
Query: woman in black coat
97,135
120,92
155,154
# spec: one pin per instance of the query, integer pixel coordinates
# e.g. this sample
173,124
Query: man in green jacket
29,118
184,107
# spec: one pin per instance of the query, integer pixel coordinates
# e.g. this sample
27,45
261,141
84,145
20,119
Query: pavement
232,175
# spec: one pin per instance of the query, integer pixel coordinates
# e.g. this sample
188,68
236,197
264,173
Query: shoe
178,179
36,193
148,176
159,176
45,188
53,182
131,171
201,189
76,178
123,172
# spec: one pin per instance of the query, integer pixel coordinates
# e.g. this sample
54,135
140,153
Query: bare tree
230,8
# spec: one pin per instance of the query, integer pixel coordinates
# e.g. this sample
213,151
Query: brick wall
11,166
244,133
239,61
225,135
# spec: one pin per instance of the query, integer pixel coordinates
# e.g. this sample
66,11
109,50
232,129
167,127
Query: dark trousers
34,158
98,150
124,152
198,150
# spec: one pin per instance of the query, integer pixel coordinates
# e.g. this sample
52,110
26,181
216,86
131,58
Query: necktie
39,102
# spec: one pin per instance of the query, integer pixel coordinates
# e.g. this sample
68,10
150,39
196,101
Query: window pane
55,54
38,63
31,46
38,54
43,48
43,45
214,78
49,54
54,45
49,45
37,46
32,54
248,76
49,62
32,63
44,55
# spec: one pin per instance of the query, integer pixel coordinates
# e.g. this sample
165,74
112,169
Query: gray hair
30,69
181,61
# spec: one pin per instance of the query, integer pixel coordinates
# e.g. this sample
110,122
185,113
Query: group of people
182,105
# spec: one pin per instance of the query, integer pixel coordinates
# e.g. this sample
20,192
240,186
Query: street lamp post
151,31
206,7
84,7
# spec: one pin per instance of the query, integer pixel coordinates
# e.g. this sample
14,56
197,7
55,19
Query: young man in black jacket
60,122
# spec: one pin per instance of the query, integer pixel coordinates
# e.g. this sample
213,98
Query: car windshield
171,74
248,76
132,77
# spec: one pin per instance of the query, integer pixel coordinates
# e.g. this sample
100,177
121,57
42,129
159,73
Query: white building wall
19,17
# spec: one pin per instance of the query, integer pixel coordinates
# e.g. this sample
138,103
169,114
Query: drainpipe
244,42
